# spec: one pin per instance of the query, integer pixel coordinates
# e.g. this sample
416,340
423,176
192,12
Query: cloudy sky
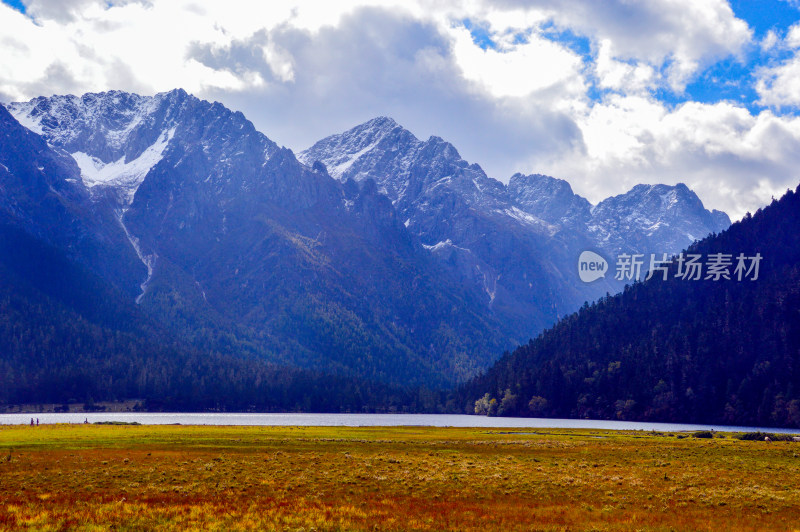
603,94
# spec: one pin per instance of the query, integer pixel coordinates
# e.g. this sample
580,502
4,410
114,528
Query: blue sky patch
579,44
16,4
765,15
729,79
480,34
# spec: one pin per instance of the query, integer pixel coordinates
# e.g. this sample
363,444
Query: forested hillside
724,351
67,336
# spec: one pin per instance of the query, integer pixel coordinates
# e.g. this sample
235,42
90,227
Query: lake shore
365,420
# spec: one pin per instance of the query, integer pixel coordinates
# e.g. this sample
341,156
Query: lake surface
367,420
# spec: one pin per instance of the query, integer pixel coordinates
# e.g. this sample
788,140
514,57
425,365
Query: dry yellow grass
317,478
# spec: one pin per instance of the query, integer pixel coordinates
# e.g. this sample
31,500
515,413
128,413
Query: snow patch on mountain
670,199
439,245
489,284
338,169
22,113
127,175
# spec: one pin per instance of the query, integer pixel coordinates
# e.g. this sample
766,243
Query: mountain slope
67,336
406,266
654,219
724,351
465,220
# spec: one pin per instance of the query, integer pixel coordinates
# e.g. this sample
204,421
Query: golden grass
91,477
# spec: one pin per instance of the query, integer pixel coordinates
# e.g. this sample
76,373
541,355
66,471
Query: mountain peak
539,181
381,121
374,130
63,119
670,217
338,152
177,93
548,198
404,166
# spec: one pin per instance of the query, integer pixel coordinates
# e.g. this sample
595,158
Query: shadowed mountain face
520,242
242,248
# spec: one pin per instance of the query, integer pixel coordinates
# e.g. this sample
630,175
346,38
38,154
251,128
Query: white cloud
405,68
518,69
617,75
681,35
793,37
734,161
134,46
779,85
678,35
58,10
770,41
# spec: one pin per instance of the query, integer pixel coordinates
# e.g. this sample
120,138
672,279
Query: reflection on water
363,420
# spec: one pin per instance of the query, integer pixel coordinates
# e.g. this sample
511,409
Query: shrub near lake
88,477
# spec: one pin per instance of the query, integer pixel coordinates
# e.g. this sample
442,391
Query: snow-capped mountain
117,138
521,241
411,171
406,169
463,217
41,192
243,248
105,128
653,219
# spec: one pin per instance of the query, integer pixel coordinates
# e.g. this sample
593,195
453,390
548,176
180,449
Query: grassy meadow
96,477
